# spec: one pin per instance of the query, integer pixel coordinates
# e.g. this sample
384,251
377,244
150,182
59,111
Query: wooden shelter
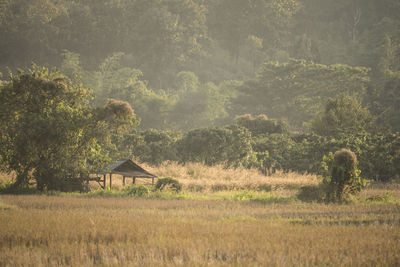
126,168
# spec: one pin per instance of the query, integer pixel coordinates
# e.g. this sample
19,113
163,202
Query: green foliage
297,90
170,59
385,97
137,191
229,145
234,21
49,131
155,146
274,152
168,183
261,124
197,105
342,115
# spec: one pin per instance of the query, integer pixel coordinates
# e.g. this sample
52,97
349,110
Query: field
222,217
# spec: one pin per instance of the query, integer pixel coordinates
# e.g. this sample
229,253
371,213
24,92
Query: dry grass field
208,226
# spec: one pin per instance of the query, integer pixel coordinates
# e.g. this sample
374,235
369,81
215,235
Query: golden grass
196,175
59,231
99,231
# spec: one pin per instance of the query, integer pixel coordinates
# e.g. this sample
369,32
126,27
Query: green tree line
162,55
325,73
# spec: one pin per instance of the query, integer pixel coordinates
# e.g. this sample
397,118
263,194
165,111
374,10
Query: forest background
273,84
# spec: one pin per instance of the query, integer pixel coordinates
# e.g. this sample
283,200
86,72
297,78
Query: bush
137,191
345,177
210,146
168,182
261,124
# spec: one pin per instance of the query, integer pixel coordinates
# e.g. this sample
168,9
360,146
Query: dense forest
273,84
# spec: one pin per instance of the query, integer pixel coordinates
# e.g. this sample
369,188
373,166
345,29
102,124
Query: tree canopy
50,132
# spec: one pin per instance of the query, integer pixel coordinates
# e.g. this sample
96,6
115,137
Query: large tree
297,90
343,115
49,131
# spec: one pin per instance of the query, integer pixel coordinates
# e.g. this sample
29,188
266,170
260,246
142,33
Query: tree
201,105
380,49
27,32
231,22
161,35
229,145
343,115
297,90
261,124
49,131
111,80
155,146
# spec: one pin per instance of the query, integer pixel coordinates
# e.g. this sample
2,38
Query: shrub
137,191
345,177
168,182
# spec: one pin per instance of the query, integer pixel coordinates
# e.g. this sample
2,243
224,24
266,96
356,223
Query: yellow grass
75,230
196,174
59,231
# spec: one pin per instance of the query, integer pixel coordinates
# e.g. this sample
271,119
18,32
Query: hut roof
127,168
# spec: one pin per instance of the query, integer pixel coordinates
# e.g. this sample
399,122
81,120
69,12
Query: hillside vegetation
272,125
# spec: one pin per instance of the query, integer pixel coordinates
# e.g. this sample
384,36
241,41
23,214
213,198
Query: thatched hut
126,168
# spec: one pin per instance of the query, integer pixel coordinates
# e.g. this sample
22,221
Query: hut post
123,180
134,180
152,180
104,181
